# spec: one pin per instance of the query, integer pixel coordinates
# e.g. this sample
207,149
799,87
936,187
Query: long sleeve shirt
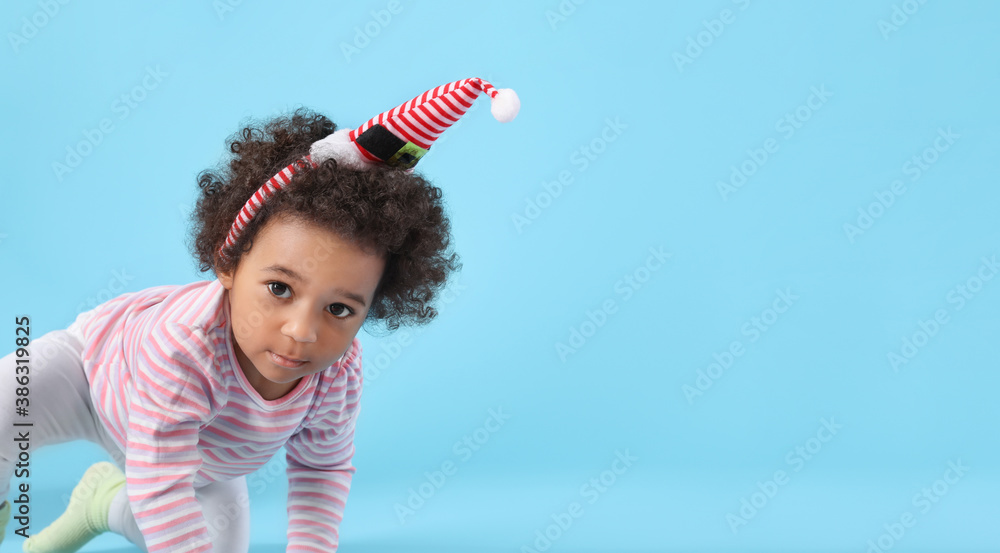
166,383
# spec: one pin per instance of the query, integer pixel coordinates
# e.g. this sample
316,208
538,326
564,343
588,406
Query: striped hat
397,138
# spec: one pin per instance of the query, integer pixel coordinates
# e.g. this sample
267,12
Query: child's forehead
308,253
290,232
302,251
320,237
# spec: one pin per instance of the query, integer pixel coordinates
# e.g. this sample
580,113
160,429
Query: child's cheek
250,316
260,311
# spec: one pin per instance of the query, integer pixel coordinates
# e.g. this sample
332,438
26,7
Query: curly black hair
384,211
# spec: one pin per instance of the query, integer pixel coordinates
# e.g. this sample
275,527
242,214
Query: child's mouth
285,361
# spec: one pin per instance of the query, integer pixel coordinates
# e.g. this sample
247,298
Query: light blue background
523,289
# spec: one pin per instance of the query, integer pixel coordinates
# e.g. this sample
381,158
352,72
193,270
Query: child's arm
168,403
319,467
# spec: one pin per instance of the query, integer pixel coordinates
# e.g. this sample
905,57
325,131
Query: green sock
4,519
87,514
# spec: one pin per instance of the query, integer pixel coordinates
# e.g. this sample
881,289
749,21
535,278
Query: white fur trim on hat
339,146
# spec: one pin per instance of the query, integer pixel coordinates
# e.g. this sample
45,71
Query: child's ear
225,277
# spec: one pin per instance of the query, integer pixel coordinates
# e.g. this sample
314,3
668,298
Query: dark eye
343,310
278,289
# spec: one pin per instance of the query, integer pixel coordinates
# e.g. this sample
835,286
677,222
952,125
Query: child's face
297,300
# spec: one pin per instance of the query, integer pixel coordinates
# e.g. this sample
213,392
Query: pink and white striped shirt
166,383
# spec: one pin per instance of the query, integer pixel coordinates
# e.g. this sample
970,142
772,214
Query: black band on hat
392,150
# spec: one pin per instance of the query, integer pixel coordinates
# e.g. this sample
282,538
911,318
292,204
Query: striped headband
397,138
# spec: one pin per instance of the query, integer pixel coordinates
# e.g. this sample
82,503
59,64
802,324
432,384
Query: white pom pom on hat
505,105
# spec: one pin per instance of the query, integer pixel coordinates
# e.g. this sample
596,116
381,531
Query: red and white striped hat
398,138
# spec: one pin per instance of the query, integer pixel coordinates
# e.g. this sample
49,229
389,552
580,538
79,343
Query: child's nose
300,326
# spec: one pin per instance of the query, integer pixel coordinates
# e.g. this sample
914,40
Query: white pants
60,410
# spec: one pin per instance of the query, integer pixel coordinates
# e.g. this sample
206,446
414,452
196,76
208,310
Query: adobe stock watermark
116,286
225,7
463,450
713,29
364,34
581,159
122,107
923,501
753,330
562,13
787,125
626,287
91,479
958,296
375,365
900,16
796,459
590,491
30,26
915,167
